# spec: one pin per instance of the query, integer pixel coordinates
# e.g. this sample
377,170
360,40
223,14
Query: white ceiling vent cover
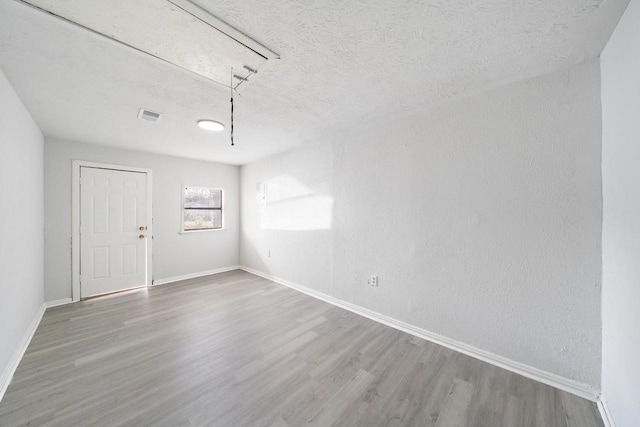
149,115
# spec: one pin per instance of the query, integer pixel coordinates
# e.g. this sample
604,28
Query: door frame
75,220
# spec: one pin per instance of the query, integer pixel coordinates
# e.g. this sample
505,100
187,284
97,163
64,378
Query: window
202,209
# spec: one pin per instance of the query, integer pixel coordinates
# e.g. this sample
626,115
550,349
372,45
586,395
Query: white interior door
113,230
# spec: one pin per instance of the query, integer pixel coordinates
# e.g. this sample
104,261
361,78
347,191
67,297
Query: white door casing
110,207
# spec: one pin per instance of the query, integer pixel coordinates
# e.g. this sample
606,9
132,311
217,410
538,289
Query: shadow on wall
285,203
258,260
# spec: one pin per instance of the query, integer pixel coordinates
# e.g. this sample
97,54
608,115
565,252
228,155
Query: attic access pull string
231,87
242,80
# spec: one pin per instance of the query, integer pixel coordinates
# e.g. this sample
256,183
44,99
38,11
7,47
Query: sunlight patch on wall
290,205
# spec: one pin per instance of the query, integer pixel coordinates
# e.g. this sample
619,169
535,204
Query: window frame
182,211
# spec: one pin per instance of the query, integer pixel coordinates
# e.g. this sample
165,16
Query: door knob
142,228
142,236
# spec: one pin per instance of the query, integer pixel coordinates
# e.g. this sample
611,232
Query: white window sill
202,231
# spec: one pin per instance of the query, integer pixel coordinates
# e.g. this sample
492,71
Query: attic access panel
180,32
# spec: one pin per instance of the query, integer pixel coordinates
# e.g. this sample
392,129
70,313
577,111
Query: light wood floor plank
234,349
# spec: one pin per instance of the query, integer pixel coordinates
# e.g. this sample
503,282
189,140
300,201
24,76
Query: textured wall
21,222
482,220
621,219
174,254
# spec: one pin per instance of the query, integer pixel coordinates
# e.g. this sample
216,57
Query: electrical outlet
374,280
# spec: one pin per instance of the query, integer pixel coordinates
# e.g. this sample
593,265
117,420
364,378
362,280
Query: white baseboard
7,374
570,386
168,280
605,412
58,302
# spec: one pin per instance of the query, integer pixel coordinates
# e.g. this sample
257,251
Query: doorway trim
75,219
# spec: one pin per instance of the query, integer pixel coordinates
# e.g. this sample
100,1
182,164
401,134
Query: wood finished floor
235,349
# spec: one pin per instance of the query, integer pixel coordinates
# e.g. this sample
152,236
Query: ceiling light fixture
211,125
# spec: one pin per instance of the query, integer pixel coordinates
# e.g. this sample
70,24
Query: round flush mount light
211,125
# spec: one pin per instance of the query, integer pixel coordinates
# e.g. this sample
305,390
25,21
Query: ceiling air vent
149,115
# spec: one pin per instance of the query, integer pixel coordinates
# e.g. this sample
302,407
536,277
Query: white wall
21,224
482,220
621,219
174,254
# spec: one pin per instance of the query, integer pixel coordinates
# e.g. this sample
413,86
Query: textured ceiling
163,30
342,63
